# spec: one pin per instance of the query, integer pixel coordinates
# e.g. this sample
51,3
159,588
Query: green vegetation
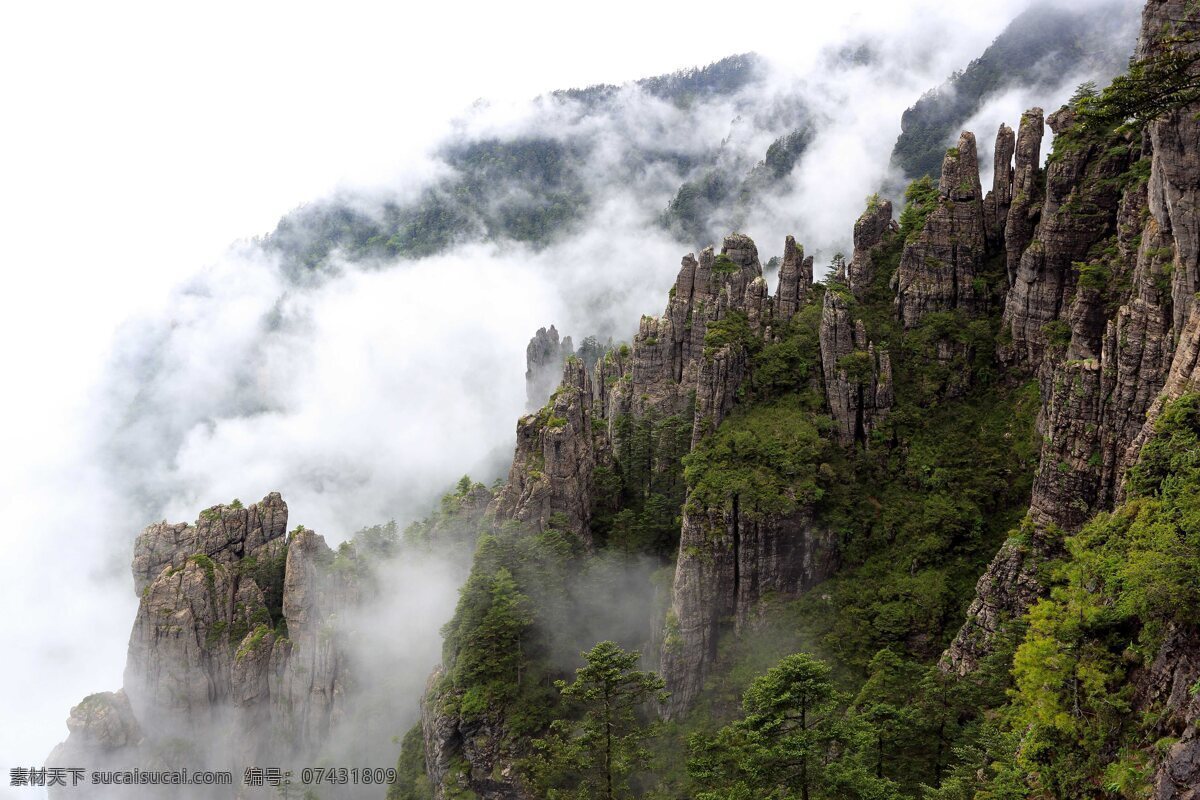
920,199
724,264
412,781
1129,578
1165,81
794,741
1057,333
731,329
836,692
524,189
1036,48
786,365
718,197
252,642
268,573
594,750
762,460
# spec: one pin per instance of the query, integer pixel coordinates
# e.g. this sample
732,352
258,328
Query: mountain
1037,49
537,186
1004,375
926,527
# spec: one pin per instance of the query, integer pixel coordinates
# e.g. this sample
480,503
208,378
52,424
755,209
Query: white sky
138,139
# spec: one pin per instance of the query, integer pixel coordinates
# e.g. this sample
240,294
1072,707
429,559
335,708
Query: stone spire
795,281
938,268
869,231
998,200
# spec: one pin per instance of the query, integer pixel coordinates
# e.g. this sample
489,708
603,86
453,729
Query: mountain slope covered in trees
974,386
923,528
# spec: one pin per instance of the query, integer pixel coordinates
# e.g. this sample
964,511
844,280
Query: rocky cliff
234,657
718,443
941,268
687,365
1099,309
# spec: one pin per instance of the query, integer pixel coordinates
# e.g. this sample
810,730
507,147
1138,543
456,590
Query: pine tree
794,743
592,755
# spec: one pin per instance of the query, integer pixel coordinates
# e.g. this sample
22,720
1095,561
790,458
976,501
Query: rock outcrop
728,561
795,282
870,229
998,200
235,653
224,534
1078,212
544,358
550,483
1094,312
1025,205
858,380
939,267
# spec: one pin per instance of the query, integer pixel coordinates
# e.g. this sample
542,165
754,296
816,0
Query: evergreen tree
794,742
594,754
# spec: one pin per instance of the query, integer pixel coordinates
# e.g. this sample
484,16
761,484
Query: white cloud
142,138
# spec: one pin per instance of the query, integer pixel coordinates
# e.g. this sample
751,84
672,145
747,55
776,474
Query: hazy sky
139,139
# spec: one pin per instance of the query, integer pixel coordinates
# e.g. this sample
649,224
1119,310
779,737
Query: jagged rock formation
1094,311
998,200
689,364
1078,211
858,380
938,268
795,279
869,231
728,561
1173,188
235,649
224,534
1025,204
544,357
550,483
669,370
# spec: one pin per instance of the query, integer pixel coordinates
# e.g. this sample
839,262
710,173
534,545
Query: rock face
1098,368
938,269
307,671
858,380
795,281
728,561
1167,685
1172,194
1012,583
1025,205
543,364
1094,312
869,232
550,483
235,650
997,201
223,534
1079,211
